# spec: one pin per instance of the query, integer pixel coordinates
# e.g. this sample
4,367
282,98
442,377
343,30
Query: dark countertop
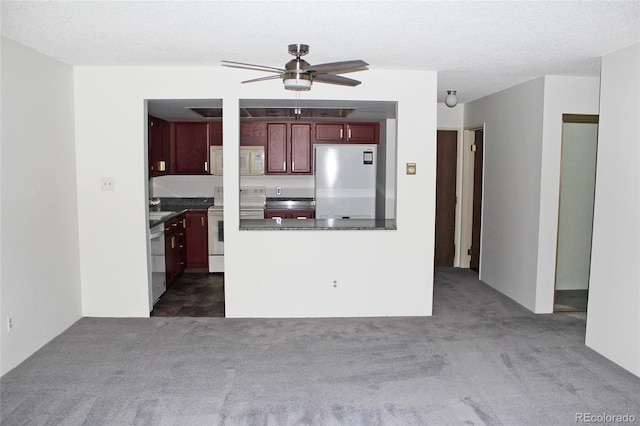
178,206
318,224
155,222
175,204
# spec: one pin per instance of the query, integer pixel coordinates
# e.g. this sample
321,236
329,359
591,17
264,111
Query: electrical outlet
9,324
278,190
107,184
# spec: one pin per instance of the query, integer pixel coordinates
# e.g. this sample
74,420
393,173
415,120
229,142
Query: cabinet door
182,244
158,146
215,133
276,214
301,154
363,132
197,239
170,256
277,148
329,132
303,214
253,133
191,148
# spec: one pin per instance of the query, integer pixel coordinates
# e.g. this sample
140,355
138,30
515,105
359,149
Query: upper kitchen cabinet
158,146
190,146
289,148
215,133
347,132
253,133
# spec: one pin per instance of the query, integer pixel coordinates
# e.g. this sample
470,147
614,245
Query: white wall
562,95
267,273
523,135
613,317
40,263
511,187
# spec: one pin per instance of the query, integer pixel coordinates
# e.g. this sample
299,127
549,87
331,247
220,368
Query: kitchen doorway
575,213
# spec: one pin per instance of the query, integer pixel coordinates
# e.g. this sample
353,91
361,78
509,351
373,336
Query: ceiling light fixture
297,81
452,99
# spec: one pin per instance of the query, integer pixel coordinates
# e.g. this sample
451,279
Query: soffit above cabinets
260,109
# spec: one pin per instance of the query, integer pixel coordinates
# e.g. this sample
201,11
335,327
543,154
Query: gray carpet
480,359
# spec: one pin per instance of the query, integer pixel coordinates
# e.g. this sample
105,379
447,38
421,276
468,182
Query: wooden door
447,155
477,201
277,148
191,148
301,154
196,240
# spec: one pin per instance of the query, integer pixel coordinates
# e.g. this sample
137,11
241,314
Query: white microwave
251,160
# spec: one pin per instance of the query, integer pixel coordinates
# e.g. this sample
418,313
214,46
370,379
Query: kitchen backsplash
202,186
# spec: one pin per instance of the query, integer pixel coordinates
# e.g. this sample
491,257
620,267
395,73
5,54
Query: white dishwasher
158,266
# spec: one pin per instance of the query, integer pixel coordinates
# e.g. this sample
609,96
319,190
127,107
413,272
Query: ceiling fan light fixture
297,81
452,99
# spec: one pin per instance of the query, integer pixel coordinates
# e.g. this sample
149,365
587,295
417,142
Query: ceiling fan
298,74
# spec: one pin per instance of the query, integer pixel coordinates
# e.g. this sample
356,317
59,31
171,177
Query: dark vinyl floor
194,294
571,301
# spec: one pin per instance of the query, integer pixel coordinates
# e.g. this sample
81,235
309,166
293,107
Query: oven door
216,239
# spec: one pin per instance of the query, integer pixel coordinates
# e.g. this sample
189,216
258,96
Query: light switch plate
411,168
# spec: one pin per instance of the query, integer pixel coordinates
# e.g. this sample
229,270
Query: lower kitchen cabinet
289,214
197,239
175,248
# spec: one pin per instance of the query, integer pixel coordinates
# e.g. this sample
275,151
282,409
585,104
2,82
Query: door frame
466,204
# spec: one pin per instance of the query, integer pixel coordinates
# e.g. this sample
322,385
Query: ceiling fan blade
338,67
250,66
270,77
336,79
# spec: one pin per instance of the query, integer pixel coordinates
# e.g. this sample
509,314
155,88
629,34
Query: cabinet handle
349,134
161,166
173,242
293,166
341,133
206,166
184,223
284,166
202,220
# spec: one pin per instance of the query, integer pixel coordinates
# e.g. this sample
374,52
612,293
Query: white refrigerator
345,178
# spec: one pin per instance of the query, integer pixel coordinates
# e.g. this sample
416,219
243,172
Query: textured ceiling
477,47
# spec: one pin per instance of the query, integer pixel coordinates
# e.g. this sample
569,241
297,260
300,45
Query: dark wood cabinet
158,135
190,148
197,240
363,132
368,132
253,133
175,248
329,132
289,214
276,149
289,148
215,133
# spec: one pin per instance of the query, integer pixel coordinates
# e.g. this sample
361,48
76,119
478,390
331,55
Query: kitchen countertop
178,206
171,215
318,224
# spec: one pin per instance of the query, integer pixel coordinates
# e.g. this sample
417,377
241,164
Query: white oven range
252,202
